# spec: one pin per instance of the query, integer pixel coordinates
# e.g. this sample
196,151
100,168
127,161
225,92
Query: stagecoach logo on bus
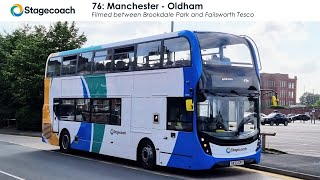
112,131
230,150
17,10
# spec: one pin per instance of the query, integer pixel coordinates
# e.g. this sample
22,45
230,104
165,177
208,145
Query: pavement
26,158
299,166
297,138
14,131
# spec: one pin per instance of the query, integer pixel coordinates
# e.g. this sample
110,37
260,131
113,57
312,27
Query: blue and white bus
184,99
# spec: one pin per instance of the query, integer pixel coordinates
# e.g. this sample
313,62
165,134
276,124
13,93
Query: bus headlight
205,145
258,144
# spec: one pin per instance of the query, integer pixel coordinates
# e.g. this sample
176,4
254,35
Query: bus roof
116,44
127,42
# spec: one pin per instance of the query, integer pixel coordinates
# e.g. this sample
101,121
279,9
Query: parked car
275,118
262,115
303,117
289,116
250,117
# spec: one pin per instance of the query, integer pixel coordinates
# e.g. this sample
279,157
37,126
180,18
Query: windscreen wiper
235,92
208,91
248,94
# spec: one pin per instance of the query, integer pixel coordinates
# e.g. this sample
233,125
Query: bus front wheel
64,141
147,155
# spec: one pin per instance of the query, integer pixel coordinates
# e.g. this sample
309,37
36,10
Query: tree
62,37
309,99
318,103
23,54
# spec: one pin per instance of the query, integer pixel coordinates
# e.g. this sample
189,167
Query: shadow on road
199,174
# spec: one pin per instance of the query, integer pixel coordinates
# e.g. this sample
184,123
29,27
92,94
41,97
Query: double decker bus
185,99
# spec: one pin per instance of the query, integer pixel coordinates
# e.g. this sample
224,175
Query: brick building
283,85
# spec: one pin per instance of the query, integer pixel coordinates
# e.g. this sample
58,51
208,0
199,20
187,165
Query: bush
28,119
277,107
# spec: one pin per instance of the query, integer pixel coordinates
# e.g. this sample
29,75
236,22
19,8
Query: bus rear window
53,68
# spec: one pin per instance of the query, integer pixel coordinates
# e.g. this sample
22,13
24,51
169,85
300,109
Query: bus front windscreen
224,49
228,116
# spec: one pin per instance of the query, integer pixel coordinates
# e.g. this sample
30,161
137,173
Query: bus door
55,114
176,140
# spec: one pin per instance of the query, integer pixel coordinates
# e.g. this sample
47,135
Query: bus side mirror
189,105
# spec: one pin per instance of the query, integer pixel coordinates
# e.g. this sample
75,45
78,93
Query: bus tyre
277,124
64,142
147,155
263,123
271,123
286,123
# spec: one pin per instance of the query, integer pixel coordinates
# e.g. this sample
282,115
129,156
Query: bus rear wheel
64,142
147,155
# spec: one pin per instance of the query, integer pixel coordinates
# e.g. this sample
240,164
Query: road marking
105,162
268,173
149,171
122,165
11,175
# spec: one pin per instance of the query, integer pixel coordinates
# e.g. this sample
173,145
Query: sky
285,47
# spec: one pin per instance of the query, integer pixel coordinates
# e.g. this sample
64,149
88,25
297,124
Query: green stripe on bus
98,132
97,85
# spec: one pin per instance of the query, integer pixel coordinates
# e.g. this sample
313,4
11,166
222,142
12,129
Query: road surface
26,158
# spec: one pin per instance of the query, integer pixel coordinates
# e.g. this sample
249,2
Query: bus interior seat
182,63
146,65
226,61
121,65
100,67
108,66
169,63
156,65
130,65
72,70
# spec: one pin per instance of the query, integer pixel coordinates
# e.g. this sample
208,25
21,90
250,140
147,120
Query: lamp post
172,26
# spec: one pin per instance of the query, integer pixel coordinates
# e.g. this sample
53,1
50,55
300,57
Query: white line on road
11,175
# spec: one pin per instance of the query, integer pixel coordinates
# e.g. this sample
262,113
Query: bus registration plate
237,163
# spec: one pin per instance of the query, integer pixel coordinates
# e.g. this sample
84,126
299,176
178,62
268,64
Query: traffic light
274,101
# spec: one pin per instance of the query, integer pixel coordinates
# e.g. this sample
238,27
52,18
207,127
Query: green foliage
317,103
278,107
309,99
28,119
23,55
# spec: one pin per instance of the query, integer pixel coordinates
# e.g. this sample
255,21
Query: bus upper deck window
102,61
148,55
84,63
123,58
176,52
69,65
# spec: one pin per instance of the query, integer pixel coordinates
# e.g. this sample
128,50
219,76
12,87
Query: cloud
107,32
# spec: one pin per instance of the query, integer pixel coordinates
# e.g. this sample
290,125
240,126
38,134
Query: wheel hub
146,154
65,142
